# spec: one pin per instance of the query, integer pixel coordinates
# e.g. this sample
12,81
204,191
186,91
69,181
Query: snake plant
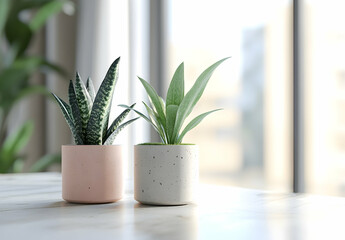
167,117
87,113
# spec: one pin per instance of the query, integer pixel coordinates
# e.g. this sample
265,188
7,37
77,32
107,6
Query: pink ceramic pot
92,173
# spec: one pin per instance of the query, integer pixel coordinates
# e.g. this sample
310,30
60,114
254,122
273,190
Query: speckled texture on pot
165,174
92,173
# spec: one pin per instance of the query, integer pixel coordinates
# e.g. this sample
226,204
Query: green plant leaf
155,119
75,111
22,93
19,139
84,103
193,96
162,102
117,122
192,124
28,4
18,165
112,137
141,115
156,101
152,114
4,11
15,76
13,145
46,65
98,122
30,64
45,12
6,163
17,33
8,56
176,88
46,161
67,113
171,117
14,84
91,89
9,90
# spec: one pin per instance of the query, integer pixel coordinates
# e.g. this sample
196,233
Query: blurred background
248,144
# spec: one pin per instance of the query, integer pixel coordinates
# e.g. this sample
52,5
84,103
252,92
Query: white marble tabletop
31,208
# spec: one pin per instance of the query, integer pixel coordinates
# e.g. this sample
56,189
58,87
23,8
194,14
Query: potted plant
92,169
167,173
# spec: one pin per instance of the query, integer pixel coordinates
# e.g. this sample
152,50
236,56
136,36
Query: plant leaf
152,114
117,122
112,137
176,88
171,117
18,140
162,102
4,11
14,83
18,33
98,122
75,111
18,165
91,89
13,145
46,161
29,4
84,103
29,90
155,100
44,12
67,113
51,66
192,124
193,96
141,115
155,119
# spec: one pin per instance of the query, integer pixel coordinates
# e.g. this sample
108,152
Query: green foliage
87,114
45,162
167,118
10,150
90,89
98,122
67,113
17,66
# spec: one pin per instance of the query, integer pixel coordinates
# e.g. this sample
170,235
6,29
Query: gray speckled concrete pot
92,173
166,174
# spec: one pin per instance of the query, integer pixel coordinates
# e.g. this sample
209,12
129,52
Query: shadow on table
140,205
64,204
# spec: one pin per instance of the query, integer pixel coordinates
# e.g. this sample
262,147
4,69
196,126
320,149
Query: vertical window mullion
298,138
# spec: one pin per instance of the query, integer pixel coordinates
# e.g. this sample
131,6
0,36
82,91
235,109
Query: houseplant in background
167,173
20,21
92,169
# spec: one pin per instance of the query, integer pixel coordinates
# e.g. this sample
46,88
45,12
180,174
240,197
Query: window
324,74
248,143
